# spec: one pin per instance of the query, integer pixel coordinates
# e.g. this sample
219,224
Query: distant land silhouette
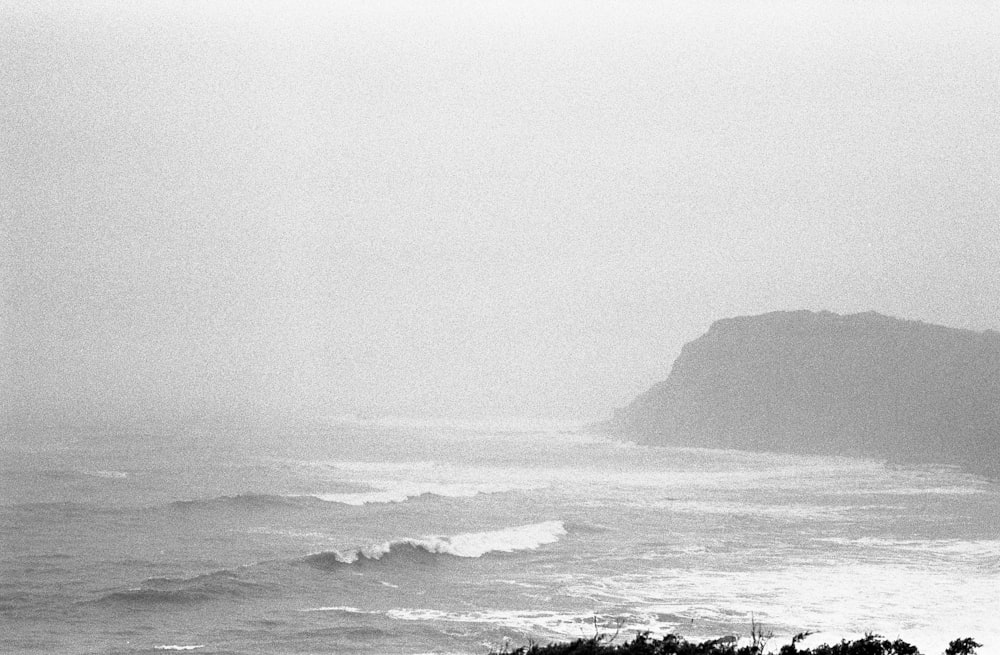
822,383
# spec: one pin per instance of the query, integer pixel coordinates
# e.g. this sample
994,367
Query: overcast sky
478,209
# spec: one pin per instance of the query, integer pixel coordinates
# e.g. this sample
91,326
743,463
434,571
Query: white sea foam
517,583
390,482
397,492
396,482
379,467
176,647
977,548
107,475
785,511
555,625
338,608
939,490
936,490
559,624
365,498
915,603
295,534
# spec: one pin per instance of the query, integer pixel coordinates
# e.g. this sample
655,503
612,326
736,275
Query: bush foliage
643,644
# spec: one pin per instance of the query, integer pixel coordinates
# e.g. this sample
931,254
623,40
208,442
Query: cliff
805,382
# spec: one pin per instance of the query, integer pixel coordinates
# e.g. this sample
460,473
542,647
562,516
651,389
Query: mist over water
369,538
468,209
233,239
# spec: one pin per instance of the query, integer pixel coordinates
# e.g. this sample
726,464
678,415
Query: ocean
392,536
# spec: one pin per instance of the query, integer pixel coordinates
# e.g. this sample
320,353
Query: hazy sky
461,208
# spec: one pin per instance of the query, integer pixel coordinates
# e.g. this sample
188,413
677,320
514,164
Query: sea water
407,537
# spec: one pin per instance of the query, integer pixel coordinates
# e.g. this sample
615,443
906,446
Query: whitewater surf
460,539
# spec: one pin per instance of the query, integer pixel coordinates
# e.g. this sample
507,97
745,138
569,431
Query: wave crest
403,491
184,591
424,549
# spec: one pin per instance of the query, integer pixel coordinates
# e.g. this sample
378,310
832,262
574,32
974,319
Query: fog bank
471,209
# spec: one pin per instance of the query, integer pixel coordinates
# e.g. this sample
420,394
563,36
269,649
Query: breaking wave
359,494
424,549
403,491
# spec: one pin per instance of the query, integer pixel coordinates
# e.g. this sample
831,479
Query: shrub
643,644
965,646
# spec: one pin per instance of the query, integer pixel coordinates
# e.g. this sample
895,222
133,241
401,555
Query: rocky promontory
823,383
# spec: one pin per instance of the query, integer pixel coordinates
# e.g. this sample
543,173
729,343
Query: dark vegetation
643,644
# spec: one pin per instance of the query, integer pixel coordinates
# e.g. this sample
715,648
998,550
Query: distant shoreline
818,383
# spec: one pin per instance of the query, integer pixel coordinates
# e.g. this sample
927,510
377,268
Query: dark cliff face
862,384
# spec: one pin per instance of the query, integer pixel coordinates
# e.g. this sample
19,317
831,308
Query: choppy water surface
410,538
